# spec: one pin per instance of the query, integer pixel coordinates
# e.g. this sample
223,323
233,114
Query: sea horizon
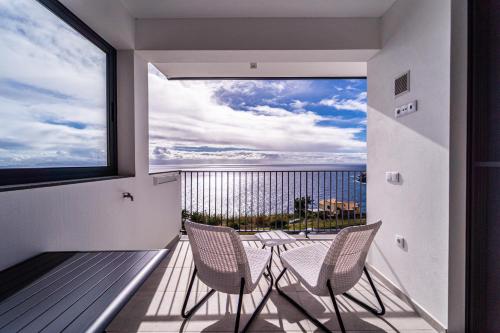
258,167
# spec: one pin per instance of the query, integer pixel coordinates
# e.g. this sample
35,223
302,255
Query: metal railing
294,201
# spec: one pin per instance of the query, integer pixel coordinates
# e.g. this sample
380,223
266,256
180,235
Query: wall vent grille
402,84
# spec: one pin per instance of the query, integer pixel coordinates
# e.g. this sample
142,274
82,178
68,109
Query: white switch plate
405,109
400,241
392,176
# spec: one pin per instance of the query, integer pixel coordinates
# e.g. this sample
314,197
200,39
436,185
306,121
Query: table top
275,238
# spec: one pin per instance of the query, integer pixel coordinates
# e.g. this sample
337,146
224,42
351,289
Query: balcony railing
293,201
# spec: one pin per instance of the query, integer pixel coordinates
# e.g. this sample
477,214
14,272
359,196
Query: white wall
94,216
415,36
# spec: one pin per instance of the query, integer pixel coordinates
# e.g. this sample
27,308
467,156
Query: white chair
334,270
225,265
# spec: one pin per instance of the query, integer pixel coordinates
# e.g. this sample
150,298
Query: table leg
270,261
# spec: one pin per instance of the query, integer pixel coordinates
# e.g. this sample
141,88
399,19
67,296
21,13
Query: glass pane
52,91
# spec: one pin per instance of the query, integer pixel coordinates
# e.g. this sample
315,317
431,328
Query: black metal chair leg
197,305
376,312
297,305
337,311
270,262
240,302
261,304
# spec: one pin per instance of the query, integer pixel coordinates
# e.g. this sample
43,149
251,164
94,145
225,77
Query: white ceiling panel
323,69
256,8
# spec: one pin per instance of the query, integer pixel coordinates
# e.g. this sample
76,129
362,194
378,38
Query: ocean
256,167
252,190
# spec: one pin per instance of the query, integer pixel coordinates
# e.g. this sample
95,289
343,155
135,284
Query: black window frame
20,176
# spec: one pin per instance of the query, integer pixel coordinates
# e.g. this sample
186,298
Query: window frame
20,176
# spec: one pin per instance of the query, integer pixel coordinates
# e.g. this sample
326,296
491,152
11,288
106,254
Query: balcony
156,307
78,118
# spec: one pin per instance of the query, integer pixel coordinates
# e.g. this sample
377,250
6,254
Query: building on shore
332,206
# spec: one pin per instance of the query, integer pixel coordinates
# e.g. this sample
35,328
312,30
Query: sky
321,121
53,107
52,91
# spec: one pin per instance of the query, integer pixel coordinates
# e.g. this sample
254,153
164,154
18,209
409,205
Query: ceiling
291,63
256,8
236,70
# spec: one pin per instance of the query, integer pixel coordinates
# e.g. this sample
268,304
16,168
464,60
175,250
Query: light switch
392,176
388,177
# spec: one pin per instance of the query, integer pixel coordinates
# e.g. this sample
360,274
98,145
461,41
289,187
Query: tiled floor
156,307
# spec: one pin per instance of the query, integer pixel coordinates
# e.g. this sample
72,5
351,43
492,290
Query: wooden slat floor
156,307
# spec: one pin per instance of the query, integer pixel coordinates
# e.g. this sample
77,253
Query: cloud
350,104
267,110
52,91
163,156
192,114
52,101
299,105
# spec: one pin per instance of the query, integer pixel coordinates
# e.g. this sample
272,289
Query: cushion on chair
305,262
341,264
257,260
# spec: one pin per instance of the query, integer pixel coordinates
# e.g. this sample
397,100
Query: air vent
402,84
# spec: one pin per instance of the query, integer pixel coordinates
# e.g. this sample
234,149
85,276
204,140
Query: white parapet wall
94,215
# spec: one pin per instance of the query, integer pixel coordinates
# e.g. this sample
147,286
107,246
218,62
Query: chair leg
197,305
376,312
270,262
297,305
337,311
261,304
238,311
240,302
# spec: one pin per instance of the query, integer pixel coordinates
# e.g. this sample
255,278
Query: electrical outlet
405,109
400,241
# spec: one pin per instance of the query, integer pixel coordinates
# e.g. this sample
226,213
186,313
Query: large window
57,91
230,122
